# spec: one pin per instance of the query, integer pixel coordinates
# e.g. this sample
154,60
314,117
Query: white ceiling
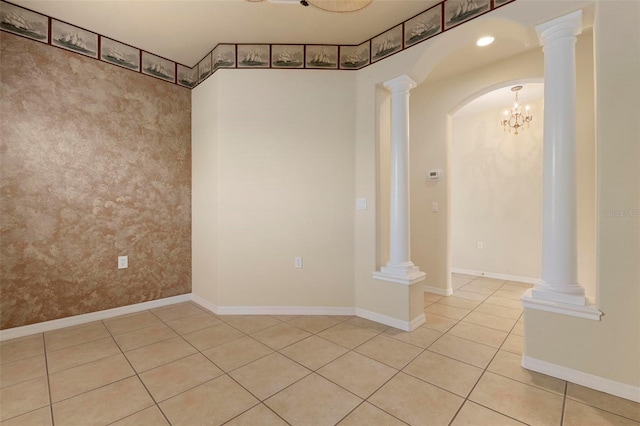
185,30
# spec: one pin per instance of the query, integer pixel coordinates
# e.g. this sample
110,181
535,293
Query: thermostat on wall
435,174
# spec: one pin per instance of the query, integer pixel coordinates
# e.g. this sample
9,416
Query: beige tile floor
182,365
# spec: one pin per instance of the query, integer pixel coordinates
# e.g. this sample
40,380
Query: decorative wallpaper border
421,27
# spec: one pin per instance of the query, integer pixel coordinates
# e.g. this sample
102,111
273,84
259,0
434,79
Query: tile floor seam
596,407
346,347
391,366
484,370
224,372
250,362
46,366
130,331
408,343
262,401
377,390
438,386
350,391
23,380
564,403
497,316
524,383
342,387
491,409
76,344
28,412
245,411
137,375
251,408
480,343
365,401
297,362
144,346
400,371
160,365
50,405
100,387
132,414
349,413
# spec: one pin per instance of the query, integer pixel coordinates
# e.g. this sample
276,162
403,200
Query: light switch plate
361,203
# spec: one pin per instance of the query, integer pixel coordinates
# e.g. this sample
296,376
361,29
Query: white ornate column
399,268
559,282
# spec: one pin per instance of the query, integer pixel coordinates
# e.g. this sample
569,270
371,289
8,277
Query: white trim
598,383
506,277
438,291
589,312
417,322
211,307
309,310
410,279
12,333
41,327
272,310
390,321
285,310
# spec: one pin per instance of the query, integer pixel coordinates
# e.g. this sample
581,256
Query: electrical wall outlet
297,262
123,262
361,203
480,245
434,206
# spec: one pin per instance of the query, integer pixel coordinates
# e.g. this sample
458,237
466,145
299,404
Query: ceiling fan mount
339,6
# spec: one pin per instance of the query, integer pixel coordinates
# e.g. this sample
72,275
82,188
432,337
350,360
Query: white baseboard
272,310
309,310
211,307
41,327
438,291
598,383
518,278
390,321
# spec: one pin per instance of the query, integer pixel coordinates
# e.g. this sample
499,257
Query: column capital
402,83
565,26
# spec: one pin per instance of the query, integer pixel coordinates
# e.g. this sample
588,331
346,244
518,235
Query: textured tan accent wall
95,163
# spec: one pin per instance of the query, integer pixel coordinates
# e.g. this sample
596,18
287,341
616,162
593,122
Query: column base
581,311
574,294
400,275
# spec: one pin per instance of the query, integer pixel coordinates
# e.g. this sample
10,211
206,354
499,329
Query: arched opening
495,181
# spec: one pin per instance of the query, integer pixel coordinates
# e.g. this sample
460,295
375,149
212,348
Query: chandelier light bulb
516,119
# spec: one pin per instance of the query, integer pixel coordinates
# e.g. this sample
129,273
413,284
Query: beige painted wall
496,194
284,165
205,234
609,348
95,164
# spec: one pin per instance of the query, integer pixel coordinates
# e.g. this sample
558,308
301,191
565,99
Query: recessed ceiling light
484,41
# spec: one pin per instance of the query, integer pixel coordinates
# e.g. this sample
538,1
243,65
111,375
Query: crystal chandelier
514,118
